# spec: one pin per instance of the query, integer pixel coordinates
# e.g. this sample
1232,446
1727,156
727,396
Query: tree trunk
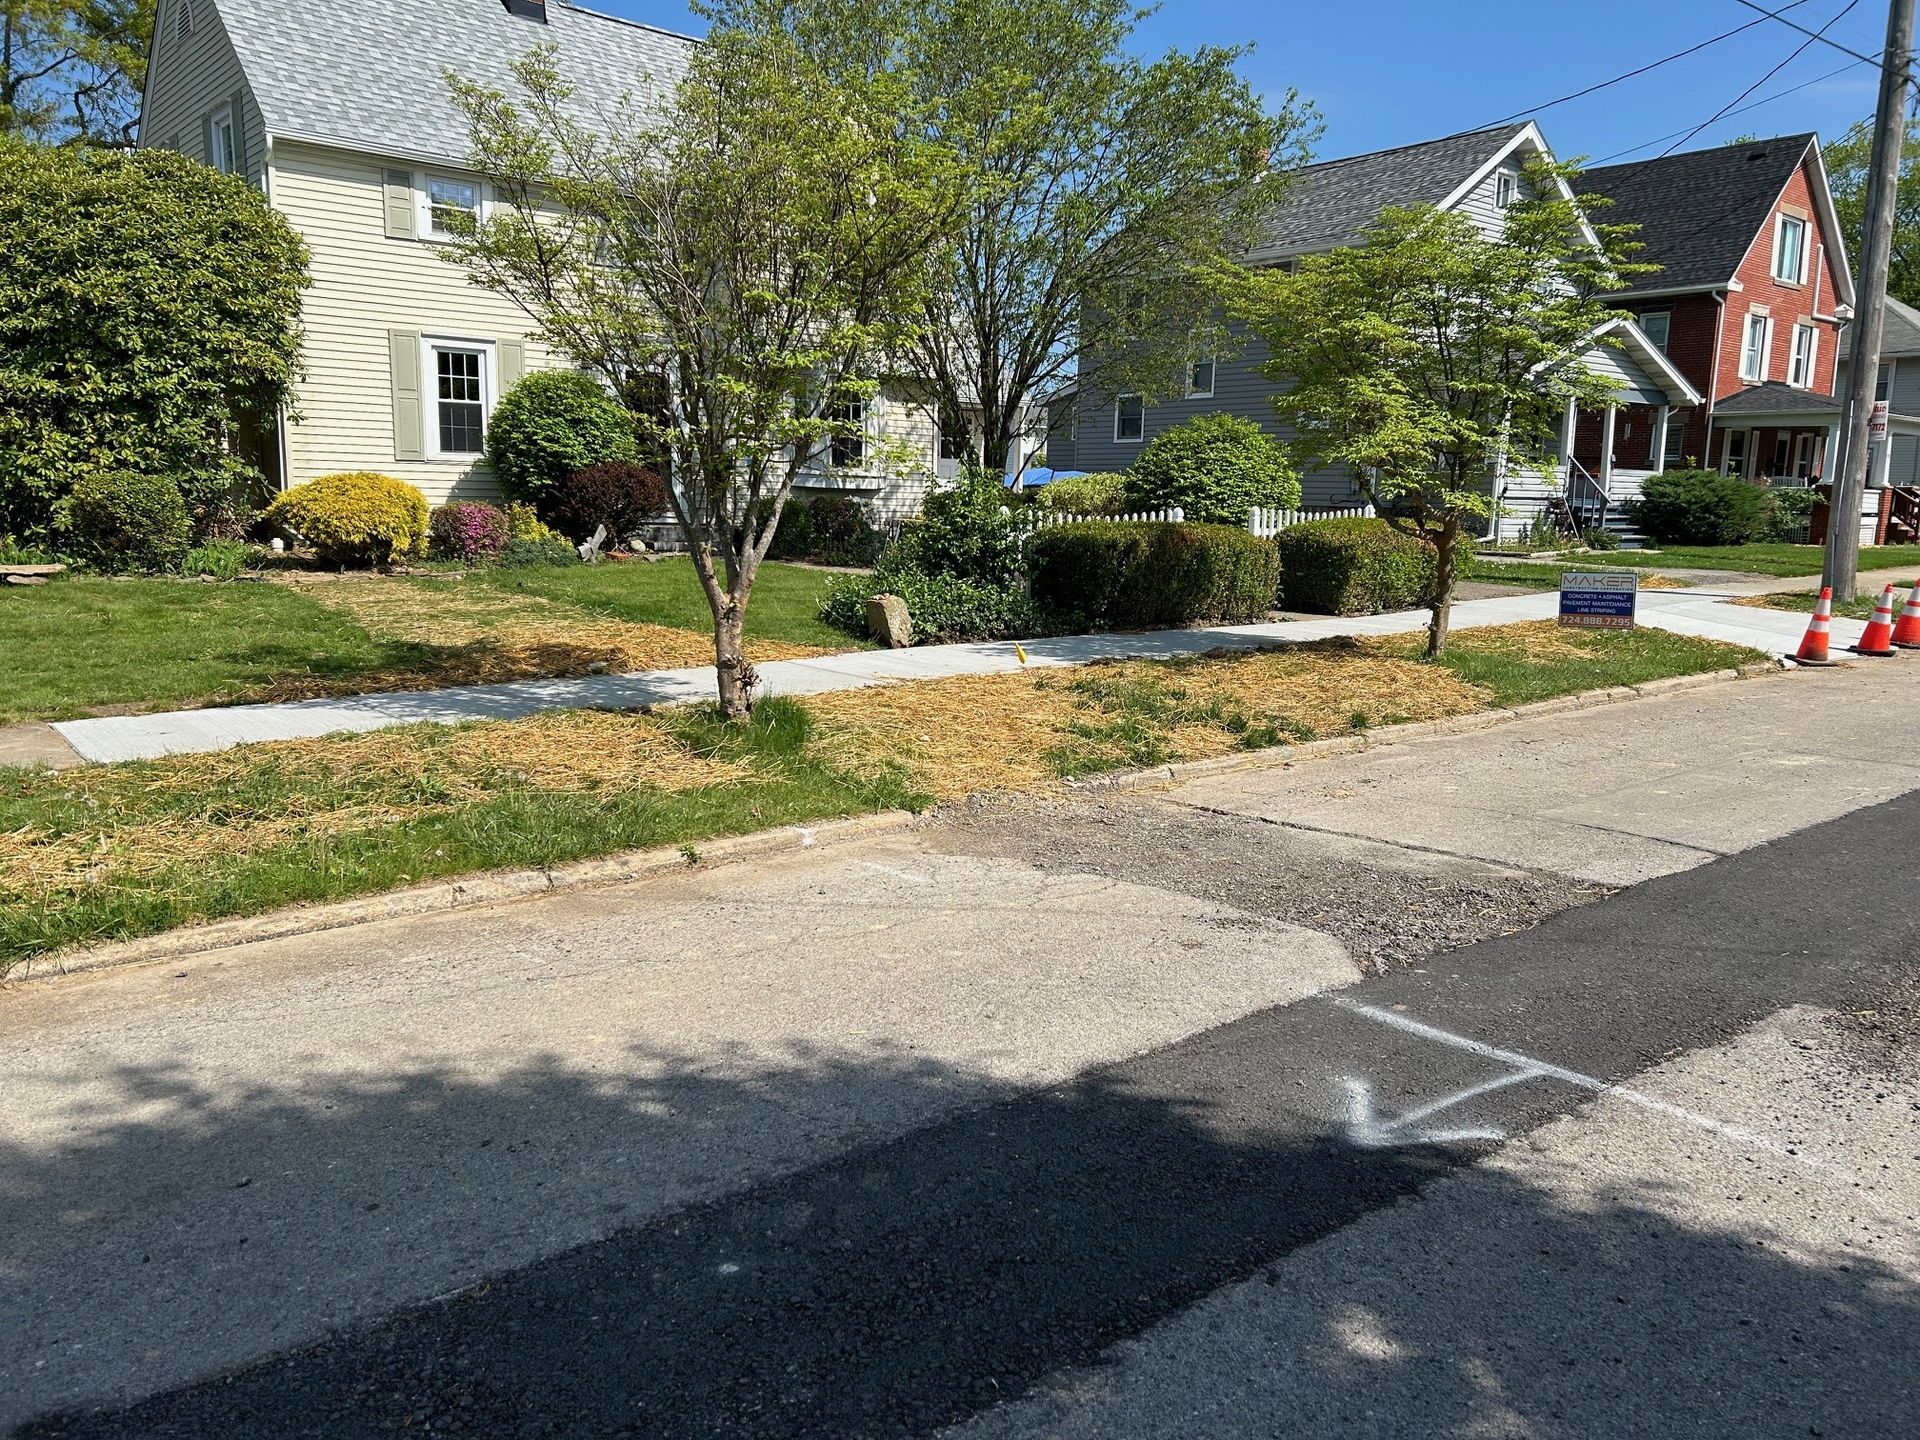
730,662
1444,547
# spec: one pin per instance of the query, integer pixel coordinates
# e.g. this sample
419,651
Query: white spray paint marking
806,836
897,873
1528,1068
1370,1131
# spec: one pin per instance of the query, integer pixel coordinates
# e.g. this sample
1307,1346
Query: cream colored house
341,115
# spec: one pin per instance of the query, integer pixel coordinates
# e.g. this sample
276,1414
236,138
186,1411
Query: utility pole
1876,245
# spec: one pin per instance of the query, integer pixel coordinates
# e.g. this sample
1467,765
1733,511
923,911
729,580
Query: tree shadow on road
905,1284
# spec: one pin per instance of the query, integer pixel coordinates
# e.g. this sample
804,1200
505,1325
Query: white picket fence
1263,520
1267,522
1033,518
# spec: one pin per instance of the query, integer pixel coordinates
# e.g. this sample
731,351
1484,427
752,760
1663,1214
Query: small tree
1420,357
760,246
1098,186
149,317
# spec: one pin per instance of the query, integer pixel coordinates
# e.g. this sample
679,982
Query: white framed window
1674,454
1657,326
1200,379
1806,348
1733,454
461,376
845,451
1130,419
1506,189
1755,344
224,153
443,198
1790,249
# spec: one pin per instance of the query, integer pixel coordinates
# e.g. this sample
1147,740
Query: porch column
1568,427
1829,452
1658,459
1606,449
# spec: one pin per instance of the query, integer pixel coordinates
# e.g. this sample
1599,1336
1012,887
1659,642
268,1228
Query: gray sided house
1327,206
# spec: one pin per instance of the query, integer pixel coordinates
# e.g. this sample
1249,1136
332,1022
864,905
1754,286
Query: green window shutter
206,138
512,361
409,438
398,188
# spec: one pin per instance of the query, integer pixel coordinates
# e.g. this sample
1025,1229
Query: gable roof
371,76
1899,332
1333,202
1699,211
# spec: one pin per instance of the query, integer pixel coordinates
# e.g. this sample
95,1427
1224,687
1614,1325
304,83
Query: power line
1635,73
1763,100
1797,52
1812,35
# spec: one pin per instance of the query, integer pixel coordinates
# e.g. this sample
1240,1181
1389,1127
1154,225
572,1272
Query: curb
1160,776
488,888
505,886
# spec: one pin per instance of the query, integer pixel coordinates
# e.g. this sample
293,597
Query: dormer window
1790,249
1506,189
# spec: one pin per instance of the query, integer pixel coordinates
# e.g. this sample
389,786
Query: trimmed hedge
122,520
1353,567
355,518
550,424
1701,507
944,607
1214,467
1084,494
1133,575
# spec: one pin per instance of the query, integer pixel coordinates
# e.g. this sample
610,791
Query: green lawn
1761,559
1859,608
80,644
786,598
83,644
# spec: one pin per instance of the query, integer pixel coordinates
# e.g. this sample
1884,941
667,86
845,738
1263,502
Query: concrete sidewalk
145,737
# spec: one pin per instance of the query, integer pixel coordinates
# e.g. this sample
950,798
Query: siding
365,285
190,79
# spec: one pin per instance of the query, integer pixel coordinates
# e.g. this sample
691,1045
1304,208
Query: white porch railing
1267,521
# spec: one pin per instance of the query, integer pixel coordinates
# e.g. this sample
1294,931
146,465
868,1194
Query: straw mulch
255,797
1003,732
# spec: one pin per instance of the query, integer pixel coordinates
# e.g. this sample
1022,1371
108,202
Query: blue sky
1389,72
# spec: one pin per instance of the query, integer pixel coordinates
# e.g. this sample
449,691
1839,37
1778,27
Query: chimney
534,10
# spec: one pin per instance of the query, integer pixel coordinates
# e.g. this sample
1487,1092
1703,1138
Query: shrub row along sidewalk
120,850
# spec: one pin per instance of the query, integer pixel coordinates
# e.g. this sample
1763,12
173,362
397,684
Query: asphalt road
967,1271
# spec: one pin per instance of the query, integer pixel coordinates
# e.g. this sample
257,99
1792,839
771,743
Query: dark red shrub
618,494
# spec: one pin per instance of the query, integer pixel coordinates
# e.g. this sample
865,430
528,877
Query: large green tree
1425,359
1847,161
1098,187
73,70
149,321
761,243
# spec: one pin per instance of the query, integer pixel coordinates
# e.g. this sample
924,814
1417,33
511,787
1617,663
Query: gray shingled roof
370,75
1697,211
1901,333
1776,398
1333,202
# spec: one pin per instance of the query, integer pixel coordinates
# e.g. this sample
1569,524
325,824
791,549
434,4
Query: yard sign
1598,602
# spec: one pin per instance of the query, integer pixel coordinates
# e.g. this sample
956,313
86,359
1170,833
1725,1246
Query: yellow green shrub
357,518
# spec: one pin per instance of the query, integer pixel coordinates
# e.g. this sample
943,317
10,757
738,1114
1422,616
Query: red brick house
1749,302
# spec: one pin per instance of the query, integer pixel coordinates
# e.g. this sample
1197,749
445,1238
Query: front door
1803,456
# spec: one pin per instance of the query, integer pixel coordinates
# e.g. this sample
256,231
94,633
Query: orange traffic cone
1878,639
1906,630
1813,649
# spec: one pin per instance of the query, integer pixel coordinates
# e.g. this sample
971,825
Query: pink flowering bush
470,531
